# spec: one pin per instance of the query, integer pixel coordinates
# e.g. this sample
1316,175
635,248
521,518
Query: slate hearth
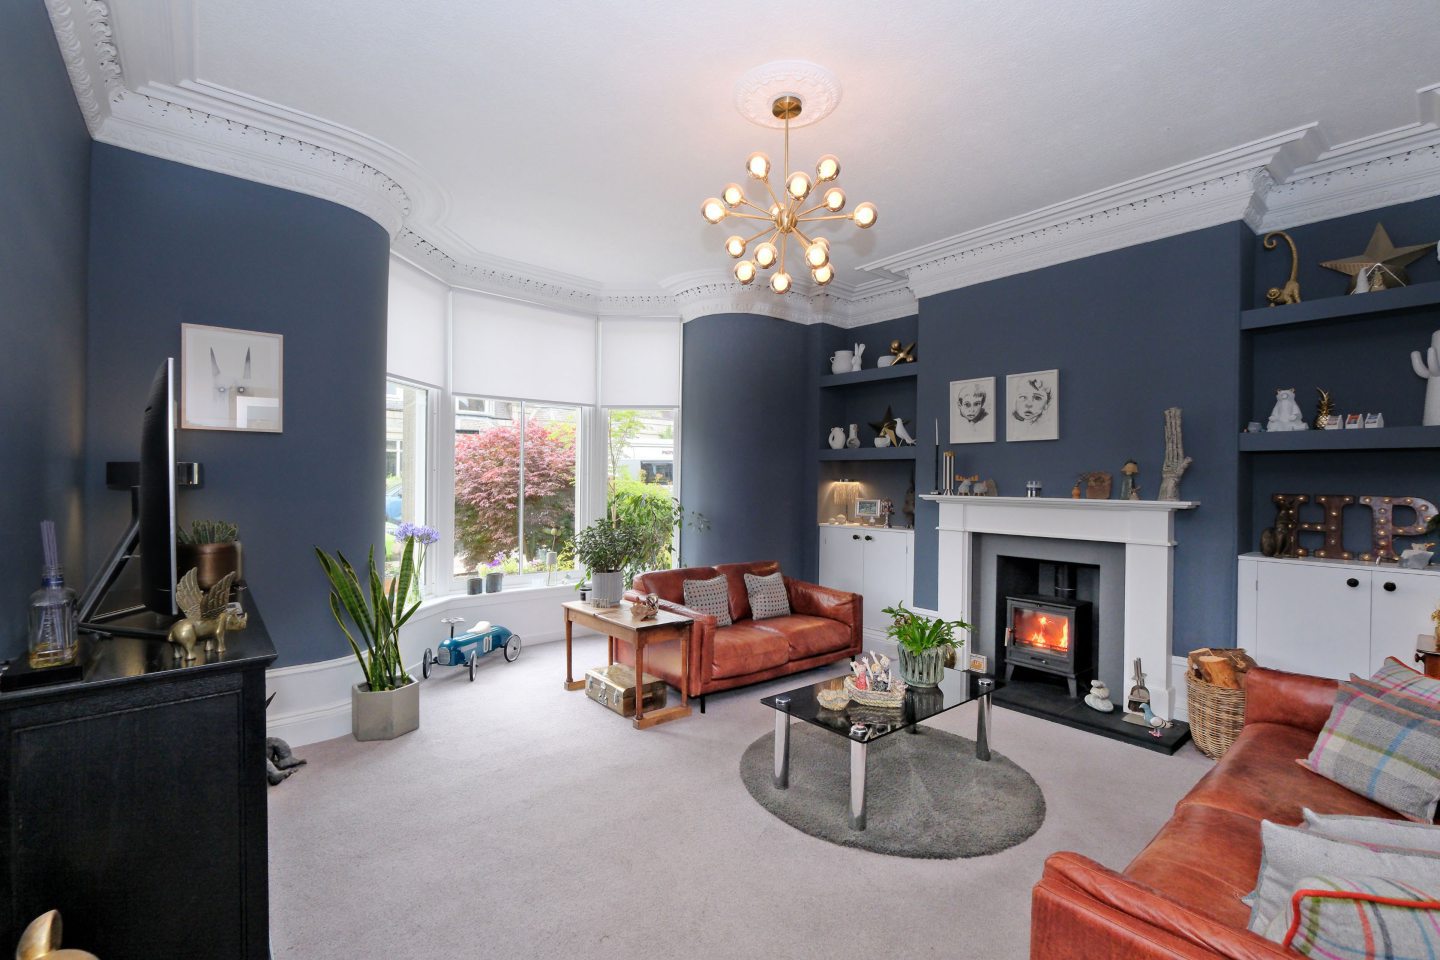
1047,698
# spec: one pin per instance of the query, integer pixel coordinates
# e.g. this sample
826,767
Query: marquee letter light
1382,510
1332,525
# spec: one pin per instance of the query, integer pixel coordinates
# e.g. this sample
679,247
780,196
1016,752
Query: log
1220,672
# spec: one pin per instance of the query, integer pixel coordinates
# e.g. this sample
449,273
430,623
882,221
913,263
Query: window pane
550,487
487,482
640,458
405,458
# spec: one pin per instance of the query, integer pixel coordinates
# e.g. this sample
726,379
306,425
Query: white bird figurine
903,434
1155,723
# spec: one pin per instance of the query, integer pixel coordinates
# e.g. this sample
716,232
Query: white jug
841,360
837,438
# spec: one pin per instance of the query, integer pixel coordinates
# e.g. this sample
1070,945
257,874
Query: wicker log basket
1215,692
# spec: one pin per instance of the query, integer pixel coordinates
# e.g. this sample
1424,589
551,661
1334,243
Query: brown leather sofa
1181,896
823,627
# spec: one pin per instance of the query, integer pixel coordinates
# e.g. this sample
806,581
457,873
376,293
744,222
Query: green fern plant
918,633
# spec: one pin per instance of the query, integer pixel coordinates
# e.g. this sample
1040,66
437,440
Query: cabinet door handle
1352,582
854,536
868,537
1389,587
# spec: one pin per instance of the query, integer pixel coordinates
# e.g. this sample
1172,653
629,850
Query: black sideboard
134,800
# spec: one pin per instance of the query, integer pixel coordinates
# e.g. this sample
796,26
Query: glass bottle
52,621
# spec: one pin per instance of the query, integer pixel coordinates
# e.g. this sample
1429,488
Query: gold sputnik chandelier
783,217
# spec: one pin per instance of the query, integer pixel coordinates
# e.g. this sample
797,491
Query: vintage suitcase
614,687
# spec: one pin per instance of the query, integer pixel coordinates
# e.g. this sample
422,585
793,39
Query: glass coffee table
863,725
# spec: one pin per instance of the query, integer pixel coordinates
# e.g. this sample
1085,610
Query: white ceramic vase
854,439
841,360
837,438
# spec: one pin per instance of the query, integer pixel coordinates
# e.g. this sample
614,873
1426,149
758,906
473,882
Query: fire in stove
1045,631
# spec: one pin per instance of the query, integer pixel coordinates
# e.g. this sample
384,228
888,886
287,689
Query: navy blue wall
748,441
44,195
172,244
1132,332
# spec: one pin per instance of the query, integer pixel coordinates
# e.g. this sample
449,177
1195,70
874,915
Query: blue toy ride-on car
470,646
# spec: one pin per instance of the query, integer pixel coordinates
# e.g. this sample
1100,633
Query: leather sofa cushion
735,575
670,584
1260,778
747,647
808,636
1205,859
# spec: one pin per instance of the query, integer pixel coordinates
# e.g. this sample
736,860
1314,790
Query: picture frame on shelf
972,410
1032,405
231,379
867,509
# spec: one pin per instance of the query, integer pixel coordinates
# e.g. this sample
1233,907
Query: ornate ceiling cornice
1276,182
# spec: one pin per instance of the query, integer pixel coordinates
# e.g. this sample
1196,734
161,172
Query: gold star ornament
1382,264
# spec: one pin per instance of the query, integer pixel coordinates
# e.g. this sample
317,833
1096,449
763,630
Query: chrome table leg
982,720
857,784
782,746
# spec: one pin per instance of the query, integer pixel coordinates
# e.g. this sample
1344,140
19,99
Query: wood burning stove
1049,632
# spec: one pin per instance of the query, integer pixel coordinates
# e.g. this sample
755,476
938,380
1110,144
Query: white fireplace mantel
1145,527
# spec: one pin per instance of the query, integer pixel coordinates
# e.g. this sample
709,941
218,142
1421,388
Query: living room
1114,315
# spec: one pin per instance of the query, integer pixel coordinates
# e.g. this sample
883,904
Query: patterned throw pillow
767,596
1402,679
709,596
1381,751
1349,918
1290,854
1405,701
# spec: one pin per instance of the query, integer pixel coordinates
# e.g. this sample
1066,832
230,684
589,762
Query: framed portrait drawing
1032,405
972,410
231,379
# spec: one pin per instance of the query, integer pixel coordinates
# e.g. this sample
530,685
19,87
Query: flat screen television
143,602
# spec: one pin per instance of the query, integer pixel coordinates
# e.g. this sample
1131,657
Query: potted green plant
387,704
605,549
923,642
212,547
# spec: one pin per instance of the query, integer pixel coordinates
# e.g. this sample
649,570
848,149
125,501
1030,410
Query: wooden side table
617,623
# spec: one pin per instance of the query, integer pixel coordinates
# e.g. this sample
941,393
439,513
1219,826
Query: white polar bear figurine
1286,415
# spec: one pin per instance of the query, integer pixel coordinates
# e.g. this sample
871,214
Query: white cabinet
874,562
1332,618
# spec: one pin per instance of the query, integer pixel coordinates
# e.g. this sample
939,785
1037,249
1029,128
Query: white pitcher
841,361
837,438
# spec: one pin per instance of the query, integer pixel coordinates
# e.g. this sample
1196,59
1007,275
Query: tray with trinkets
872,685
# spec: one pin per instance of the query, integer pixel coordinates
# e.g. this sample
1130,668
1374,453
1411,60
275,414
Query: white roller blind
508,349
640,362
415,344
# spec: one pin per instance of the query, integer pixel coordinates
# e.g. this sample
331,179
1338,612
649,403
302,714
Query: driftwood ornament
1290,292
1176,463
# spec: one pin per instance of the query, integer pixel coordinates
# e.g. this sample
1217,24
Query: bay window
406,462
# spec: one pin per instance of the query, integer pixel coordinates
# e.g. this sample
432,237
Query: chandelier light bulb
798,185
827,168
745,272
735,246
757,165
732,195
834,199
766,255
780,282
865,215
823,275
712,210
817,255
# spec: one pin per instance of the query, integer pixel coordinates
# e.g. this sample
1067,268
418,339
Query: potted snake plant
924,643
387,704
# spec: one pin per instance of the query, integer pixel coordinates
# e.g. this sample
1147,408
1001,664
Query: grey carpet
927,796
524,822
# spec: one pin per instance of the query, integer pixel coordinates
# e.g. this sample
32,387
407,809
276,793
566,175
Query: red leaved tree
487,487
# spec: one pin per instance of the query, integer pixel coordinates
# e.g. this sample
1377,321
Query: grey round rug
927,795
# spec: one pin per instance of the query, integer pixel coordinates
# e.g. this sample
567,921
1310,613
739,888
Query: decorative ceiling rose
757,91
782,219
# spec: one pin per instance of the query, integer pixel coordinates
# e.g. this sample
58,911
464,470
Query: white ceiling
581,137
